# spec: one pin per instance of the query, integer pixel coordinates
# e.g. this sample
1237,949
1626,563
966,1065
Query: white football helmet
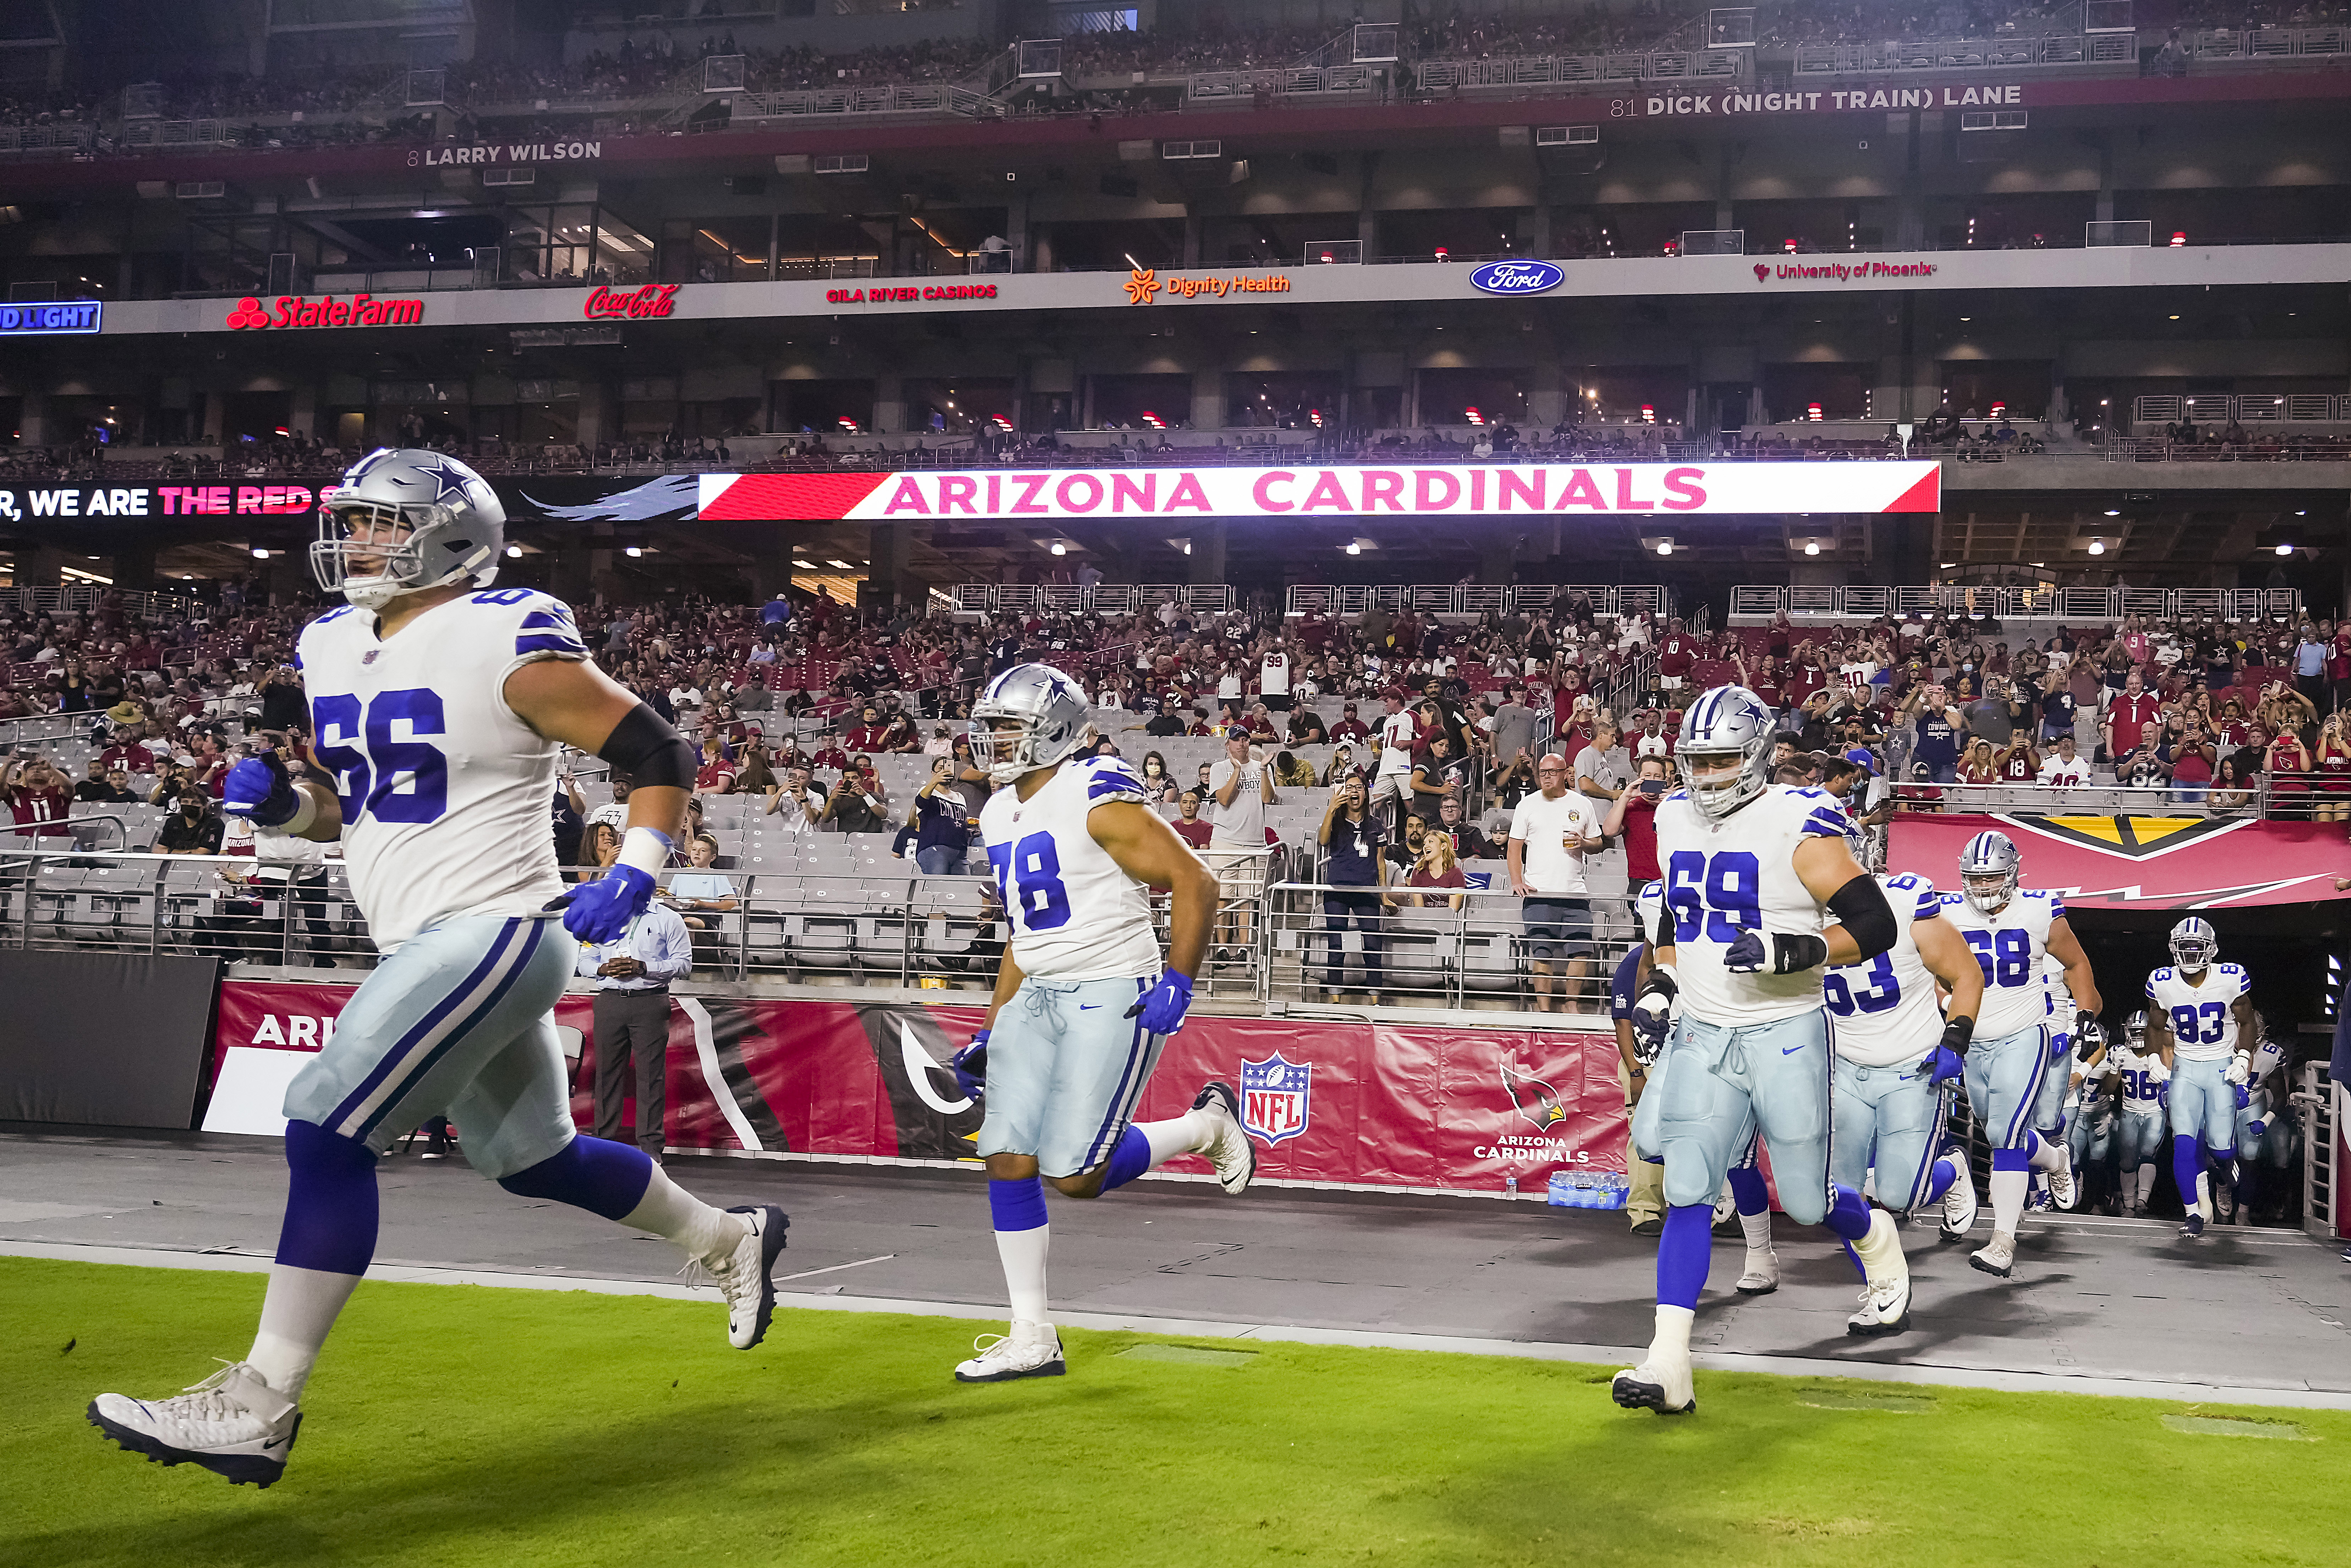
1989,868
1728,721
2194,945
1048,711
456,529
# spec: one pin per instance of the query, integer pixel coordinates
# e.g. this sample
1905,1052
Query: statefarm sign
250,315
1686,489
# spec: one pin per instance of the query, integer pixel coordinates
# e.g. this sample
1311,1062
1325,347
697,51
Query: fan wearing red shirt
38,794
870,734
717,775
1350,727
2127,716
830,756
1677,651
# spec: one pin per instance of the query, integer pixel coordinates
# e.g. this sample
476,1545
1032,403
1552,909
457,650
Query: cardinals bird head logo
1141,284
1761,272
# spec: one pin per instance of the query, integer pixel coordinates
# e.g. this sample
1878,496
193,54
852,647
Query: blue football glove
598,911
1748,956
2244,1095
260,788
1942,1065
971,1065
1162,1010
2257,1128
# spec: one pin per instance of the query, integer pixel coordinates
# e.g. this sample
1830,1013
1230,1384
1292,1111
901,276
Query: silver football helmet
2135,1030
1048,712
456,529
1728,721
1989,868
2194,945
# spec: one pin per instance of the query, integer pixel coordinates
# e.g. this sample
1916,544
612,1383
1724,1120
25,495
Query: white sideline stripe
706,1051
1190,1328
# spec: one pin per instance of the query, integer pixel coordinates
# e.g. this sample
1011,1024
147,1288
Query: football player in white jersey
2143,1080
439,711
2199,1019
2089,1125
2012,929
1884,1027
1077,850
2057,1088
1760,893
2268,1129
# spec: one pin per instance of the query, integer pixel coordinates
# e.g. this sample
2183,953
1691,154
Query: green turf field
451,1426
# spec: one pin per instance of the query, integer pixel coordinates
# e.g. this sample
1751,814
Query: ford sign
1516,277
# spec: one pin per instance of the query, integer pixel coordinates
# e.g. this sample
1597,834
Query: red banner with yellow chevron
2141,861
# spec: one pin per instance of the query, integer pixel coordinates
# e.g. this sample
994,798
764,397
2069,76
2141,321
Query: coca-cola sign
608,304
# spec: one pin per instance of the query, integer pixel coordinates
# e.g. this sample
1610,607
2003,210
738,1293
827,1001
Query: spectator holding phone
1632,817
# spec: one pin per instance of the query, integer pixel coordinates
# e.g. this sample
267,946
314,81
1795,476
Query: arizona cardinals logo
1533,1098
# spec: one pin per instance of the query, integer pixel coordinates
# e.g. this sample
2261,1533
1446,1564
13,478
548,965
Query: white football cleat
1960,1205
1229,1149
1661,1383
745,1279
1885,1296
1997,1256
2063,1187
1762,1276
1030,1350
233,1424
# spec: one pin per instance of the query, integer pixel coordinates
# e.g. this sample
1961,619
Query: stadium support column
1546,405
1208,399
599,416
41,566
1208,557
888,550
32,423
889,404
771,564
135,565
304,419
1192,223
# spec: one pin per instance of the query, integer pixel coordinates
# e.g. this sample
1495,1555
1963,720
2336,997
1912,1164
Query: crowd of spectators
651,62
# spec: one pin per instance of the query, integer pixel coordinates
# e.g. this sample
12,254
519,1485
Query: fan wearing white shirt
1551,833
2063,768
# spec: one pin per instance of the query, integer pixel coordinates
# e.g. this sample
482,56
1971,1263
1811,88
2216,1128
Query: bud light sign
1516,277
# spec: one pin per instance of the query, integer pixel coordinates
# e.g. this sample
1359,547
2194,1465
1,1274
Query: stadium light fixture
841,564
1812,546
260,555
2112,513
1061,548
805,565
1355,549
636,552
1665,547
2285,549
514,552
2098,547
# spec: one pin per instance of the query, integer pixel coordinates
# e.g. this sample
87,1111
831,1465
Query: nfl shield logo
1274,1095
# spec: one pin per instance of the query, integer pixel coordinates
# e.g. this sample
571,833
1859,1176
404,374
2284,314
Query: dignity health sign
1670,489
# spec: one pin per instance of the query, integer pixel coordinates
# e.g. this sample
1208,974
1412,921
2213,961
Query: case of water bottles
1589,1189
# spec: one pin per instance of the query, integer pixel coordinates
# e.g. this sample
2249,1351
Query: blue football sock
1684,1250
1939,1179
2011,1159
1017,1205
331,1202
1129,1160
2222,1164
1848,1214
1748,1190
2187,1164
595,1174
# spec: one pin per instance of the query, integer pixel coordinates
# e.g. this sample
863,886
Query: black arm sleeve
1665,934
1861,908
649,751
